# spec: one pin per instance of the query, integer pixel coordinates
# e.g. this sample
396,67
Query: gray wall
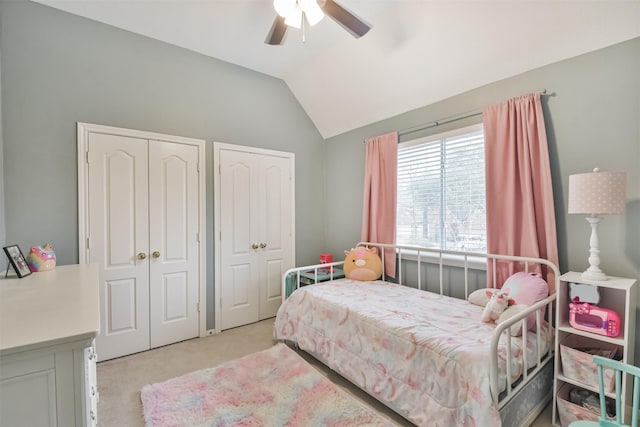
59,69
592,120
3,258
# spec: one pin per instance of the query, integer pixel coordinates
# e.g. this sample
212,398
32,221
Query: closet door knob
142,255
254,246
263,245
156,254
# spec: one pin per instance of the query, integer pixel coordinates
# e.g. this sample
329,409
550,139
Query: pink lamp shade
597,193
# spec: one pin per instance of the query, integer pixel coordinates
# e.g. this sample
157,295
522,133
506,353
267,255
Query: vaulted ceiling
418,51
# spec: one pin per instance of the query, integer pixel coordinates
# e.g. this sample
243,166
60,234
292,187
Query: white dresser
48,322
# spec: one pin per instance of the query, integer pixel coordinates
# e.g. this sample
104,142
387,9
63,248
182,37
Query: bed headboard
437,270
411,262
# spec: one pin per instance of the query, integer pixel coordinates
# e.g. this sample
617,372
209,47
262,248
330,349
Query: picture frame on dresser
17,261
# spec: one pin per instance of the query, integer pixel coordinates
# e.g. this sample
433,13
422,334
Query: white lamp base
594,272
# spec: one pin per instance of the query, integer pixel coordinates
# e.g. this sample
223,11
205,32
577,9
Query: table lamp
597,193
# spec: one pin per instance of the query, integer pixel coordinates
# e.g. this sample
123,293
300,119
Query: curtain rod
450,119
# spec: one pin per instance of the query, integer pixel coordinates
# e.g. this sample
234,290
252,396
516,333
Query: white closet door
118,235
240,291
275,216
173,242
255,231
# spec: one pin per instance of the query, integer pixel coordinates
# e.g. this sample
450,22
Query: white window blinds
441,191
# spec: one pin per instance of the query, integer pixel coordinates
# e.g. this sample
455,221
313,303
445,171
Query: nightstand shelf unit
618,294
320,274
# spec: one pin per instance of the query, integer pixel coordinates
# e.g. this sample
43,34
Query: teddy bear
362,264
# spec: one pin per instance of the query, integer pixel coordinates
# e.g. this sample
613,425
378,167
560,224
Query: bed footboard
543,354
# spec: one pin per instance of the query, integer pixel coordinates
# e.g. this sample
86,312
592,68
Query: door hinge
88,243
87,156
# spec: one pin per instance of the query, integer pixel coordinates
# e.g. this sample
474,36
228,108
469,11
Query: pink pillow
528,289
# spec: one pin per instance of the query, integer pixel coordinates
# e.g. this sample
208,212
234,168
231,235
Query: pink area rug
271,388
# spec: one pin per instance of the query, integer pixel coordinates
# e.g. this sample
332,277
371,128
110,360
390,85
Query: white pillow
481,296
516,328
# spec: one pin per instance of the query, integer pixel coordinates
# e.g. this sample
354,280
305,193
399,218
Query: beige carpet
120,380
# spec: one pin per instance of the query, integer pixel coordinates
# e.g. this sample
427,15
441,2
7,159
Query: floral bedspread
424,355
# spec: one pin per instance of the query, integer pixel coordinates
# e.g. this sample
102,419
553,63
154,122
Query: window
441,191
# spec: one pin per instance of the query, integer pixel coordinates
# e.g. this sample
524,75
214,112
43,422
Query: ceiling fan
294,13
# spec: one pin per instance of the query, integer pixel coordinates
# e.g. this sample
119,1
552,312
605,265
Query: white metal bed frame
469,261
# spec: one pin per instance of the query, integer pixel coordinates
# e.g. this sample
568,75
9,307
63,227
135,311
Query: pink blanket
424,355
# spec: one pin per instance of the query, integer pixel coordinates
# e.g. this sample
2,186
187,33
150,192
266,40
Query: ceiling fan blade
277,32
346,19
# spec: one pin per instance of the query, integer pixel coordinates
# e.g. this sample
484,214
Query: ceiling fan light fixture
312,11
284,7
294,18
293,11
299,13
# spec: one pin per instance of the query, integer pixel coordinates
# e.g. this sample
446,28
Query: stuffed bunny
498,302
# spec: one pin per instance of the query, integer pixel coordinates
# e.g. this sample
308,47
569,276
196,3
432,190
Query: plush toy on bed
498,303
362,264
524,289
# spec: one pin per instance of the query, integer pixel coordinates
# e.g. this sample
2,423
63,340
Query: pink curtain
520,207
379,204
